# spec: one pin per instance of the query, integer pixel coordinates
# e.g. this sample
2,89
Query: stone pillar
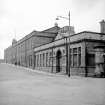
52,61
33,60
84,70
83,54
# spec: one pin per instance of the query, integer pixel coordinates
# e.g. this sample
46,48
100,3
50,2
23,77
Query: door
58,61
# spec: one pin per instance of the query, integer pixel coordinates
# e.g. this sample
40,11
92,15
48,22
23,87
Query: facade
58,51
22,52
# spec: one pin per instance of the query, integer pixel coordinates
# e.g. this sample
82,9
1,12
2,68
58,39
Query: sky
20,17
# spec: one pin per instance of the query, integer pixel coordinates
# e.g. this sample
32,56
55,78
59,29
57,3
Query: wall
25,52
91,56
22,52
78,69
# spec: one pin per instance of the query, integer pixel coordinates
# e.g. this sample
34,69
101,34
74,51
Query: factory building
60,50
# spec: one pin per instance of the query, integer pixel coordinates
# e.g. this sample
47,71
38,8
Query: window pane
79,56
79,60
37,60
79,50
30,60
43,59
75,60
75,50
34,60
50,54
46,59
70,51
40,60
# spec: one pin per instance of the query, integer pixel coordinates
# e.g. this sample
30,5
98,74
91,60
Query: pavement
24,86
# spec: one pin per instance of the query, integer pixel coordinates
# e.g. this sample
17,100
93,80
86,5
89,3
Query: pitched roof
53,30
49,33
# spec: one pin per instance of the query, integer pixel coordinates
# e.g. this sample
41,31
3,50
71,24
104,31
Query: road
20,86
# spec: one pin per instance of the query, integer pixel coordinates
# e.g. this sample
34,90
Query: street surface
21,86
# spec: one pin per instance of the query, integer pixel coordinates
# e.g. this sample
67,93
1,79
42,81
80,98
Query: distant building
54,50
22,52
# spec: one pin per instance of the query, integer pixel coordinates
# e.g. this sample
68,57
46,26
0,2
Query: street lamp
67,45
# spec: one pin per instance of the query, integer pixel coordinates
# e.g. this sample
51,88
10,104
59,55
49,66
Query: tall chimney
102,26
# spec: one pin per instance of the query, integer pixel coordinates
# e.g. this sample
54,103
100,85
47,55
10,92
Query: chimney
56,24
102,26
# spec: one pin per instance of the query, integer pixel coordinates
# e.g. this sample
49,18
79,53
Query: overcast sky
24,16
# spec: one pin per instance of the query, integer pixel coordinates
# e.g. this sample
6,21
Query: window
74,56
21,59
34,60
53,53
30,60
79,56
90,59
74,59
37,60
50,58
71,56
40,60
50,54
74,50
31,43
43,59
46,59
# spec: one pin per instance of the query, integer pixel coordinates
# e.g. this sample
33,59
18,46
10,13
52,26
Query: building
22,52
57,50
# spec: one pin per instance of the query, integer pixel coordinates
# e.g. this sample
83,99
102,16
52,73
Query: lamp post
67,45
69,49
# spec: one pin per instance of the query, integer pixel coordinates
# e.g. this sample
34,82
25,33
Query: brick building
54,50
22,52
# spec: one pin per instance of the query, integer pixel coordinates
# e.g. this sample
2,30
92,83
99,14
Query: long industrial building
60,50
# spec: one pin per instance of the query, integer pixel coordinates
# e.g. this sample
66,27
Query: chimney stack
102,26
56,24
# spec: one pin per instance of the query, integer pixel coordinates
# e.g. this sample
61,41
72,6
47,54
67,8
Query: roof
53,30
82,36
50,33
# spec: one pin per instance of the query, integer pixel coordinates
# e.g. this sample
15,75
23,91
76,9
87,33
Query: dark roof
48,33
53,30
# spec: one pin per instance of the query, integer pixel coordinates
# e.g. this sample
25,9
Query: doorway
58,61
